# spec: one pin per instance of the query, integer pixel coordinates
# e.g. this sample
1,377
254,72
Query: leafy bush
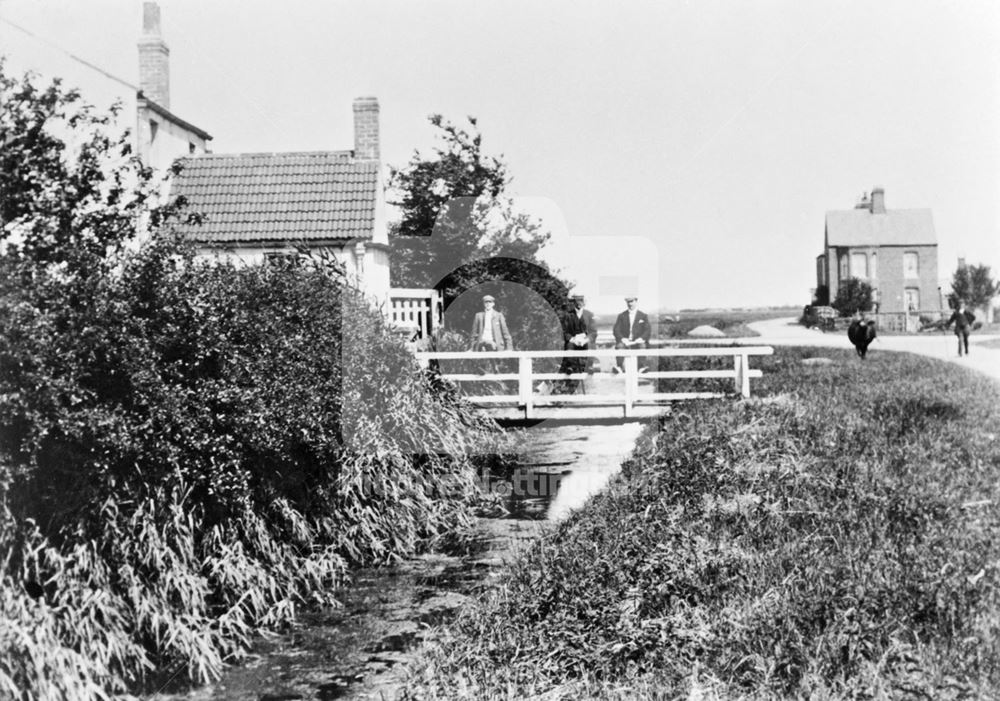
821,297
190,450
183,438
853,296
834,538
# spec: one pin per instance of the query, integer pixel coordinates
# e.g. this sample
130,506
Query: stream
360,650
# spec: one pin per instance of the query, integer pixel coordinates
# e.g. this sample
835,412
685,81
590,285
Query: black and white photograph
425,349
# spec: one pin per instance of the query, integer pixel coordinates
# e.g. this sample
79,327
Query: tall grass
833,538
191,452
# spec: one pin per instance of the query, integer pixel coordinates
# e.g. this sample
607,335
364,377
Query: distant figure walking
631,330
861,333
489,329
963,319
579,333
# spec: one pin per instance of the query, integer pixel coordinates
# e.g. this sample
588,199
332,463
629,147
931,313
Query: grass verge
833,538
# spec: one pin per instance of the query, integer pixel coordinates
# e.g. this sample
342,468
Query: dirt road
935,344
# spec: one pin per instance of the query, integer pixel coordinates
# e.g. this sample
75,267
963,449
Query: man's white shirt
488,327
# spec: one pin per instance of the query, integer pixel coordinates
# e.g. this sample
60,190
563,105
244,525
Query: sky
687,151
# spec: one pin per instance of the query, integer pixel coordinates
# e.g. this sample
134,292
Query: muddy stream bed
360,650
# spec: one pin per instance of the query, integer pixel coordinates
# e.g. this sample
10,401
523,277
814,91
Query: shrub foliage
190,450
853,296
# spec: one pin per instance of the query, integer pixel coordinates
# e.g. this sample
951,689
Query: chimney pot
366,131
878,200
150,18
154,58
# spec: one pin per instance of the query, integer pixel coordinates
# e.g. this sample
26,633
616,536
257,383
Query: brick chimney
878,200
366,128
154,58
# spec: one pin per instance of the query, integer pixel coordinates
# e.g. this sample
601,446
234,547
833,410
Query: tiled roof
896,227
278,197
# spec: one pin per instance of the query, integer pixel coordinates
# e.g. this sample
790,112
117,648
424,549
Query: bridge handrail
525,376
597,353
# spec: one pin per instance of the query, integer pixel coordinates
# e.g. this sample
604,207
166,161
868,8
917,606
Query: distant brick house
259,205
895,251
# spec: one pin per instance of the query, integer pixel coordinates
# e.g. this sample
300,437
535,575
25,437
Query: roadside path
934,344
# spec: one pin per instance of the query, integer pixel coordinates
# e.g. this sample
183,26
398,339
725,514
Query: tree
70,191
853,296
821,297
974,285
459,231
434,195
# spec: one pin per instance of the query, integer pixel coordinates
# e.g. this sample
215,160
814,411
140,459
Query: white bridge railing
616,390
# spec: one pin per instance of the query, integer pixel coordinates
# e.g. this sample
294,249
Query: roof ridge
862,210
270,154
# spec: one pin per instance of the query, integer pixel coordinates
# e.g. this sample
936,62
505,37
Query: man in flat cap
489,329
632,331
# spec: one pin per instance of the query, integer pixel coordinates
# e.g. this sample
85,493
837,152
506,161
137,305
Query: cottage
260,205
254,205
895,251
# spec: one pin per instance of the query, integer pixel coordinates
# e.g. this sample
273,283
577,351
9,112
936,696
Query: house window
911,265
279,256
912,299
859,265
843,267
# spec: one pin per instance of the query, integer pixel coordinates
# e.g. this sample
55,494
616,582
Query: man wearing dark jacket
962,318
631,331
579,333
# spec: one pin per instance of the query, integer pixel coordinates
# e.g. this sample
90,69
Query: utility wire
53,45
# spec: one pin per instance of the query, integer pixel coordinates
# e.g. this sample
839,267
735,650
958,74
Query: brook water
359,651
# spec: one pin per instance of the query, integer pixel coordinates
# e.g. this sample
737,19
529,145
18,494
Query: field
832,538
732,322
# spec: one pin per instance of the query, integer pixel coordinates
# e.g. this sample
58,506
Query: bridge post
741,367
524,389
631,384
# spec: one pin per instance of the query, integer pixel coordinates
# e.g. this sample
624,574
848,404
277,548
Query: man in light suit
632,330
489,329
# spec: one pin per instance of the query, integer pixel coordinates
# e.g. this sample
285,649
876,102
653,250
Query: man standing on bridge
579,333
489,329
631,331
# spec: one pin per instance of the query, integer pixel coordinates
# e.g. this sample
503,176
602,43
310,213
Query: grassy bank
833,538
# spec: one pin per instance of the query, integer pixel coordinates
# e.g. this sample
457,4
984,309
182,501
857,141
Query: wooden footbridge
523,389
